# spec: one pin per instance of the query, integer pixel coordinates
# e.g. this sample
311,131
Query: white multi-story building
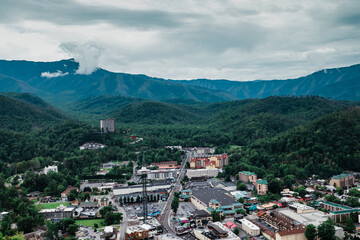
108,125
162,174
50,168
209,173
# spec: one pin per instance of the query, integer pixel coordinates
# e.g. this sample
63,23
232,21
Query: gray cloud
70,12
233,39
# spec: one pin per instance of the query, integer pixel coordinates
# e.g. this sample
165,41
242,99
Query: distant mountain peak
58,83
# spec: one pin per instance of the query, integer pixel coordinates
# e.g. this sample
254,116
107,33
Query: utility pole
143,172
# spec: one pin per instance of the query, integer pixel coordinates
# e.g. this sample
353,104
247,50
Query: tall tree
350,225
175,204
310,232
326,231
215,215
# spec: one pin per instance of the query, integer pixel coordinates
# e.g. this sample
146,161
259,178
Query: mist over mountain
58,83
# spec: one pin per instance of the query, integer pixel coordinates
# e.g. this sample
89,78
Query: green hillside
24,112
324,147
149,112
240,122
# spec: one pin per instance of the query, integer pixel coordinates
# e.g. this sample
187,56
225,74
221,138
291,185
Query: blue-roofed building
211,199
185,195
240,194
252,208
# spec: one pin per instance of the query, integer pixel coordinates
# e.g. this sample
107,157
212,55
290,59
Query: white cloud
87,54
54,74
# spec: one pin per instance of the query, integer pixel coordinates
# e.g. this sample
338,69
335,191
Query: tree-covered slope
245,120
150,112
248,120
324,147
23,112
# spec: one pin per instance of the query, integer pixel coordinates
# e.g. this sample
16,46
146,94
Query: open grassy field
52,205
91,222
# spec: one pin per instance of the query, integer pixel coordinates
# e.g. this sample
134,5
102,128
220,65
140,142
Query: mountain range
58,83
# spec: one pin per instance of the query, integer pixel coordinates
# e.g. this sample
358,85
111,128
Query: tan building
246,176
209,161
103,202
294,234
342,180
261,186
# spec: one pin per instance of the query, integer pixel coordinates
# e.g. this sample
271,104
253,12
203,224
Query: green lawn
91,222
52,205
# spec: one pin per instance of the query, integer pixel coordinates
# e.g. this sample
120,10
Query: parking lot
185,209
135,209
88,233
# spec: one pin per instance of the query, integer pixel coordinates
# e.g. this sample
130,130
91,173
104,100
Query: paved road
123,223
165,217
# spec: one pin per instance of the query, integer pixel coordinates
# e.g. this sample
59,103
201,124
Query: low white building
91,146
162,174
301,208
49,169
209,173
249,227
314,217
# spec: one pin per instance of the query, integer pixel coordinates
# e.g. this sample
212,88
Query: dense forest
267,133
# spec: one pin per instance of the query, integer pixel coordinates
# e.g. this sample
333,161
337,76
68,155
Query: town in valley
190,196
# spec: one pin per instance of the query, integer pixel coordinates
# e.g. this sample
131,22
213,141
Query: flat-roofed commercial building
58,213
249,227
301,208
210,199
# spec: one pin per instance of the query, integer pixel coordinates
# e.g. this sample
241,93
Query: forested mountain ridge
242,121
24,112
236,122
337,83
58,83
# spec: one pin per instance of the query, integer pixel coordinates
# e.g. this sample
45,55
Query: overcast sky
235,40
